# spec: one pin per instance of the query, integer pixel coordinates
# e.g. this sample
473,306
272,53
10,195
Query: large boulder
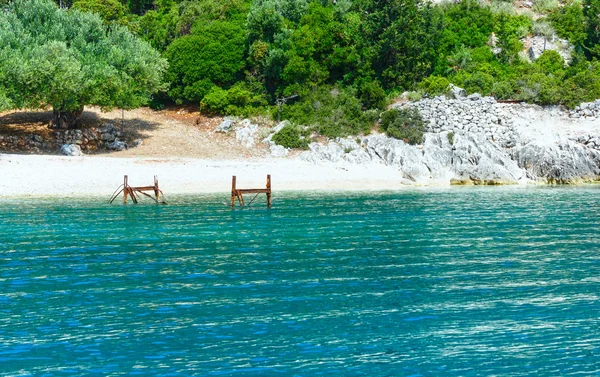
225,126
71,150
245,133
117,146
456,92
278,150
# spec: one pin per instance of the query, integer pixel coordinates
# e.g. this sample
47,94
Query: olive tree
66,59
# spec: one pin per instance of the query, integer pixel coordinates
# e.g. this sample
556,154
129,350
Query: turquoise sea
448,282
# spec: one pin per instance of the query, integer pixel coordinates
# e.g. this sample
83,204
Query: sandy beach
42,175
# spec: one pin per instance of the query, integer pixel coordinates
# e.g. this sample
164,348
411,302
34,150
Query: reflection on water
461,282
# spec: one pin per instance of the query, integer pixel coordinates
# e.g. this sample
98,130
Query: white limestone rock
71,150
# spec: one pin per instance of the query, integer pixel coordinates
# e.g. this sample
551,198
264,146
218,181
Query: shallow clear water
458,282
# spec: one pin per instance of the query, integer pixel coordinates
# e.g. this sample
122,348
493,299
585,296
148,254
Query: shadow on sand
30,123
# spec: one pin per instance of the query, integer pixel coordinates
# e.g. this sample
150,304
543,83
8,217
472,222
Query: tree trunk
66,118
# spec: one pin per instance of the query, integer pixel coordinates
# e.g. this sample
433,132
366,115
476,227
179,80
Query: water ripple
462,282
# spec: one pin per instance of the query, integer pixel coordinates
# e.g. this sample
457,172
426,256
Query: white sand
34,175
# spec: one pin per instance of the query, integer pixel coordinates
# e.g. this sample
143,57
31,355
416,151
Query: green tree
400,38
212,55
69,59
591,12
569,22
109,10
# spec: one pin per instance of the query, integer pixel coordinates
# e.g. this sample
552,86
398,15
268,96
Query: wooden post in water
233,191
239,193
136,192
156,188
269,190
125,190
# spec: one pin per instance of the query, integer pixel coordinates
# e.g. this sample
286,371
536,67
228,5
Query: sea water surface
449,282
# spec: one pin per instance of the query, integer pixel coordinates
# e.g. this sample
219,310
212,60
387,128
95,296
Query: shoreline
51,176
61,176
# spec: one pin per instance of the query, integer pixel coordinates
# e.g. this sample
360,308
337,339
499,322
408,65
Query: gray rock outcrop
475,140
470,158
564,162
456,92
537,44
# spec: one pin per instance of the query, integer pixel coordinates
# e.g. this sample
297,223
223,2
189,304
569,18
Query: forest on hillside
341,60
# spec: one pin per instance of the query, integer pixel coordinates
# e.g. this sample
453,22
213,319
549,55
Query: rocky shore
477,140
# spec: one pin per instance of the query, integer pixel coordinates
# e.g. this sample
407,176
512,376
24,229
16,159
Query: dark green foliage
569,23
346,57
538,88
372,95
109,10
510,29
290,137
215,101
466,25
400,39
239,100
213,56
404,124
583,86
476,82
550,63
591,12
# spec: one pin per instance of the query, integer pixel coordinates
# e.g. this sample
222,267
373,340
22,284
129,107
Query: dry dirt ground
173,132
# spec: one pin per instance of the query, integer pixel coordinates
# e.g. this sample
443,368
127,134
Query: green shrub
243,101
550,63
435,85
476,82
372,95
290,137
330,111
584,86
404,124
215,102
504,90
196,91
414,96
539,88
213,56
109,10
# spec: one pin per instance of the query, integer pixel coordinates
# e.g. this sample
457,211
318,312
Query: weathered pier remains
237,193
135,192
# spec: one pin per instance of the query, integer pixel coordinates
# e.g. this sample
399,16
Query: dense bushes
331,112
290,137
213,56
404,124
345,58
238,100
